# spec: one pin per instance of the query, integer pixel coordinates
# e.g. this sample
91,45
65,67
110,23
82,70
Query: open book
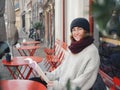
37,68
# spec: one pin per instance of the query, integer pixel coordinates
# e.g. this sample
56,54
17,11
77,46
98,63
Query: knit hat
80,22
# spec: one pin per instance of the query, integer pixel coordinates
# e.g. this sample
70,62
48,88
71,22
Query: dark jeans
99,84
38,79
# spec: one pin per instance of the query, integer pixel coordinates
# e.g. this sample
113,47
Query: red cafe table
30,43
21,85
18,62
27,50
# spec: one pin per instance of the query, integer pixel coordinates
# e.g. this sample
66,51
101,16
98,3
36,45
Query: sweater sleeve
88,77
54,74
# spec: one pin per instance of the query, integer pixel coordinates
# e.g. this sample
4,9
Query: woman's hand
50,83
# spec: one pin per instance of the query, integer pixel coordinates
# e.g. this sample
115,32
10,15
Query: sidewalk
4,74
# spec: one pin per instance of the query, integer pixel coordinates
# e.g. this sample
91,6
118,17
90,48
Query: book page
37,68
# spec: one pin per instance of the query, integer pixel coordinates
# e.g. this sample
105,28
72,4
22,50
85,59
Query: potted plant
38,25
39,29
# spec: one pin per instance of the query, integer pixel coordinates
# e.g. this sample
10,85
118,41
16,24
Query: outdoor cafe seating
18,63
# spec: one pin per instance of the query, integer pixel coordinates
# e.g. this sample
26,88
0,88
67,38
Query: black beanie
80,22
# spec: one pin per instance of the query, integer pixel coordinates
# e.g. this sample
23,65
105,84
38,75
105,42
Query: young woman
81,62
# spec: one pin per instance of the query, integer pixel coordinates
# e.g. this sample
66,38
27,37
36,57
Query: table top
21,85
30,42
28,47
19,61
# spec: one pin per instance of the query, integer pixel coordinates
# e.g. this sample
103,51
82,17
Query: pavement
4,74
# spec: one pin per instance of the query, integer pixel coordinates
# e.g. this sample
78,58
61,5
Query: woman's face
78,33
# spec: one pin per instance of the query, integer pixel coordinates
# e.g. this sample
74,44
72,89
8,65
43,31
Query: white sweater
81,69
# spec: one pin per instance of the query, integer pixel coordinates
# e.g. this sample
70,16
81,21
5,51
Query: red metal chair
111,83
50,51
55,56
116,85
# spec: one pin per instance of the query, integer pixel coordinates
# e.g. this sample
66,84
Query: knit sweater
81,69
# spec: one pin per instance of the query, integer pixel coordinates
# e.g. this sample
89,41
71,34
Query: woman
80,64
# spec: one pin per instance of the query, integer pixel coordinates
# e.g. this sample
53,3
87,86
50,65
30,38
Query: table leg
20,52
24,53
11,72
32,71
28,74
25,76
32,52
25,69
19,72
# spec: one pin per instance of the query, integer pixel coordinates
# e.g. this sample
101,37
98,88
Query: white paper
24,40
37,68
17,45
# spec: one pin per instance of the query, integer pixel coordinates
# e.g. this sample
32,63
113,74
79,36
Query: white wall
73,9
58,19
